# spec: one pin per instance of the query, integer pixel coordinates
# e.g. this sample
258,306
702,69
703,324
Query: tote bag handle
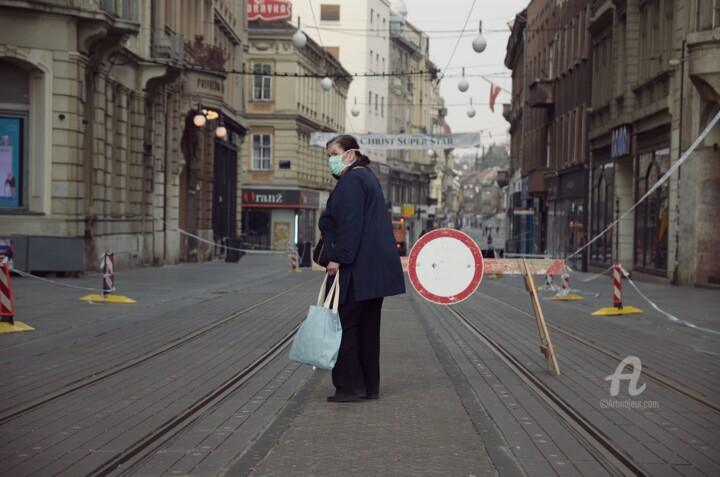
333,295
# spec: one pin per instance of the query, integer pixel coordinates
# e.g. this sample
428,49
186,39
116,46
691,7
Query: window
372,13
376,104
330,13
262,151
603,207
15,100
262,82
382,106
652,215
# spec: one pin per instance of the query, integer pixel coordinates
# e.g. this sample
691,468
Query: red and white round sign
445,266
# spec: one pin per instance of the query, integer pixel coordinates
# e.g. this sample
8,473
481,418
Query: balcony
126,10
541,94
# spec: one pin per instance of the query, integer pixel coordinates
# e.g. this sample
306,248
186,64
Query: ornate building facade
99,117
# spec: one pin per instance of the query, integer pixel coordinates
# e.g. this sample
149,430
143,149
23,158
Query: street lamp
326,84
463,84
299,40
203,115
471,110
355,111
479,43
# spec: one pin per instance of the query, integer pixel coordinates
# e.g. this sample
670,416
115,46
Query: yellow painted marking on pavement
568,297
16,328
108,299
613,311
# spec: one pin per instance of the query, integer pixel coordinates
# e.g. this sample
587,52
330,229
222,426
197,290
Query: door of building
224,212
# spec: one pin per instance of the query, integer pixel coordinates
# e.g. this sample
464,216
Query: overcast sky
444,20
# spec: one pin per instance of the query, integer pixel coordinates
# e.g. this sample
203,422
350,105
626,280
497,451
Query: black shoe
337,397
371,396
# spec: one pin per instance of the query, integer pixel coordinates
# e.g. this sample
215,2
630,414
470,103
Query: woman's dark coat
357,230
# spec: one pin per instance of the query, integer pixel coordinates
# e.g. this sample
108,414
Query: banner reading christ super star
404,141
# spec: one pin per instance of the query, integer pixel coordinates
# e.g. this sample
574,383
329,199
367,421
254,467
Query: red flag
494,92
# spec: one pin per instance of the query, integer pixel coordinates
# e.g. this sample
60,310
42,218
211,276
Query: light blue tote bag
318,340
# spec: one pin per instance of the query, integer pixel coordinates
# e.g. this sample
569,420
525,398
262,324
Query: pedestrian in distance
358,236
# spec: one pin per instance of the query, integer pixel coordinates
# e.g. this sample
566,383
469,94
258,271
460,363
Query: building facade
550,209
365,53
97,124
285,181
655,88
632,84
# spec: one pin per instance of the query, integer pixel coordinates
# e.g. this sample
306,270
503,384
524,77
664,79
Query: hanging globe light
299,40
471,110
355,111
220,132
326,84
199,120
463,84
479,43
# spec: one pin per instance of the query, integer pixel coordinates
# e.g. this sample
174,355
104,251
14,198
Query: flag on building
494,92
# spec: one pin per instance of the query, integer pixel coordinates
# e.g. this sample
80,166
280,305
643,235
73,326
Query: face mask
336,163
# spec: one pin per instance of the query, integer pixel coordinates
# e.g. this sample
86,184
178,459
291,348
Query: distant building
285,181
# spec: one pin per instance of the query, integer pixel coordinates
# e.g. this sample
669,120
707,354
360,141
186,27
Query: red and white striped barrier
7,306
617,308
617,286
294,260
108,270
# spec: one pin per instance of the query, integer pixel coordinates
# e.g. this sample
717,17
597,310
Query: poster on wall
10,161
281,235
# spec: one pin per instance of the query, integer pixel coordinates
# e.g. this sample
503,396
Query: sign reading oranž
269,10
404,141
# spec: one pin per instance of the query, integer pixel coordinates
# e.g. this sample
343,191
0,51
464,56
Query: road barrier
7,304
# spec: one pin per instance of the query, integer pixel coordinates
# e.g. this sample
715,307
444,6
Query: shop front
567,216
272,219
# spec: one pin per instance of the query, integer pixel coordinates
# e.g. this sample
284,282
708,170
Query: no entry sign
445,266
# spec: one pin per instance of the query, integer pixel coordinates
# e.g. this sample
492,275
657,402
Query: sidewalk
417,427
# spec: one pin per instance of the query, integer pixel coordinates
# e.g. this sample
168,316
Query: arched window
14,108
652,215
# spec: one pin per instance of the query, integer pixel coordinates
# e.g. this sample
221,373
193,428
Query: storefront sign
269,10
404,141
408,210
281,198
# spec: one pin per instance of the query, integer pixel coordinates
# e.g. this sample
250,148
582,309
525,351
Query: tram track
135,453
31,405
608,454
661,380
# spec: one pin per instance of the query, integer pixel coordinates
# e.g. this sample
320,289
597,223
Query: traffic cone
7,305
564,293
107,265
617,308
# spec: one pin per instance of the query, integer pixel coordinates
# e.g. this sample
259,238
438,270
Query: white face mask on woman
336,164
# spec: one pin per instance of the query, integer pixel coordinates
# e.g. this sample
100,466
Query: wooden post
546,346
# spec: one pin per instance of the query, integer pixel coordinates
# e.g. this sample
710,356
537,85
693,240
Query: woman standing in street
358,238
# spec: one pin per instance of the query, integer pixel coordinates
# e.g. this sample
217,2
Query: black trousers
357,369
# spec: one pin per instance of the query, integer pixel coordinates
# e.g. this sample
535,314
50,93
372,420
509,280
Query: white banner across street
404,141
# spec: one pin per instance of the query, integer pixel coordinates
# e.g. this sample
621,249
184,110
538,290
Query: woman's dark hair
348,142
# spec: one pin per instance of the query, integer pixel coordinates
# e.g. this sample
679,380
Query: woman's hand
332,268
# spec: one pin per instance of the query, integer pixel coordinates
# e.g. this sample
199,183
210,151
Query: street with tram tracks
194,379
